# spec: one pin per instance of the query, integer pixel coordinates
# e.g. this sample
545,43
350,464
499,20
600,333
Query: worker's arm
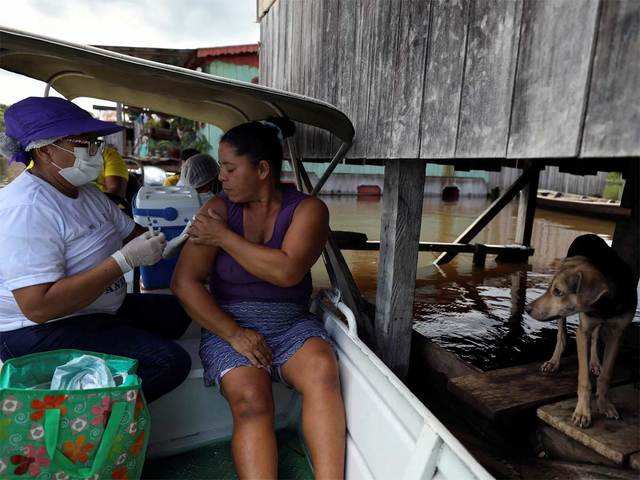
47,301
44,302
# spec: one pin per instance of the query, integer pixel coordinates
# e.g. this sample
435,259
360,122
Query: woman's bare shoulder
217,204
312,208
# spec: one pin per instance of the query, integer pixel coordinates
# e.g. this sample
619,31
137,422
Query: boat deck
215,461
501,393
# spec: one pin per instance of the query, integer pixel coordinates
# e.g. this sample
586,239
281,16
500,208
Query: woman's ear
264,169
41,153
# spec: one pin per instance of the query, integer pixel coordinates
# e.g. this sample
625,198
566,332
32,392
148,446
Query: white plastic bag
82,373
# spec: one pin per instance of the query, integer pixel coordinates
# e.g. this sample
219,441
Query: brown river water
476,313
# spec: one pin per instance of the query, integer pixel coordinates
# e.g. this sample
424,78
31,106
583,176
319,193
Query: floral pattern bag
70,434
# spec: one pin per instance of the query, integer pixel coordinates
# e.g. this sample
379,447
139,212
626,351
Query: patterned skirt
285,327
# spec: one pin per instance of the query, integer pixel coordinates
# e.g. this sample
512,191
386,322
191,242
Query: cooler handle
168,213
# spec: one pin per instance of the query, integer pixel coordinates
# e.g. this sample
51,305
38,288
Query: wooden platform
616,440
507,391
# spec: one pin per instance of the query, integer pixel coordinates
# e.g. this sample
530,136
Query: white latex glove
145,249
173,246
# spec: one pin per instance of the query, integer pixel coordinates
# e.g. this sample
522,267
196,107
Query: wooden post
626,237
518,295
527,210
480,256
399,236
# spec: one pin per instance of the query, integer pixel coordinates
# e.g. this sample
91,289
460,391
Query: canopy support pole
340,154
59,75
340,275
293,160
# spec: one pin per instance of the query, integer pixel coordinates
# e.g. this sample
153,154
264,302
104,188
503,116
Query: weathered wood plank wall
553,72
613,116
464,78
487,87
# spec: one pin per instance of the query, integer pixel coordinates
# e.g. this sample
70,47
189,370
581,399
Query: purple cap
38,118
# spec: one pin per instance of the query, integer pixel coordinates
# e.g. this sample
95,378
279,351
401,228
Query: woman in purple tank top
255,244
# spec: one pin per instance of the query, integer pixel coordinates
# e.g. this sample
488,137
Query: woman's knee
250,402
323,375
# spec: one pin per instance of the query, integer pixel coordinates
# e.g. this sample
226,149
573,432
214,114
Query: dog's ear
592,289
574,282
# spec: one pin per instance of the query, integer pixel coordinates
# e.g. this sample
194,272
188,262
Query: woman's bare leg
255,452
313,371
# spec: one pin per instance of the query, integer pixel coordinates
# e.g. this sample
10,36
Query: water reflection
476,313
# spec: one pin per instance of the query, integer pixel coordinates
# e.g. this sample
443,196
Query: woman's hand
208,229
252,345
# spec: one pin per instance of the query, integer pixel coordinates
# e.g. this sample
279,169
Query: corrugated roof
228,50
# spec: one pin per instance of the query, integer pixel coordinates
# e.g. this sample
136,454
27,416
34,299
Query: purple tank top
229,282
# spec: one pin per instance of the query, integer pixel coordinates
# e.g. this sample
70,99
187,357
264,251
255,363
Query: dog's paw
606,408
549,368
581,417
595,368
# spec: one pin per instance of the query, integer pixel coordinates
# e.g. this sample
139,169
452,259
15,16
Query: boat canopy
83,71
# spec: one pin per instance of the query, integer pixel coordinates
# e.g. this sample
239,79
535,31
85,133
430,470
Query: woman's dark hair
262,141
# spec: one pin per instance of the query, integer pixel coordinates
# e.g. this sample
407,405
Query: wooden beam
527,210
491,211
400,233
373,245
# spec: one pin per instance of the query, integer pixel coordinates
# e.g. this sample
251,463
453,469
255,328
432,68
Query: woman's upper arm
307,235
195,261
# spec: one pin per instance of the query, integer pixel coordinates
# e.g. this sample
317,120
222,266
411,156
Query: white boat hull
390,433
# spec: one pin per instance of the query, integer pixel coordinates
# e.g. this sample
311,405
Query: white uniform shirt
46,236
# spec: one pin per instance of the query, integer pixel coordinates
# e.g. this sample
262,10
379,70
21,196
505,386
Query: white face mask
86,168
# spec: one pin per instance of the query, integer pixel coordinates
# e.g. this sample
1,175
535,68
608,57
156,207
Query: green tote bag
48,434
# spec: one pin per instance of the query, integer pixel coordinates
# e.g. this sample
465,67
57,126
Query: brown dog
594,282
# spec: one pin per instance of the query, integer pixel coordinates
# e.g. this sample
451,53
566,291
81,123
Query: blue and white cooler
168,210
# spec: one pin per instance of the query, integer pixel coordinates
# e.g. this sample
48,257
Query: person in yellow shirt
114,176
184,156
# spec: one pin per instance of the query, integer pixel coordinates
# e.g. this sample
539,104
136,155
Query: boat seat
193,415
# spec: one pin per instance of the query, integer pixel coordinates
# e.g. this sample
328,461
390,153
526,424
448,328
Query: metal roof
227,50
85,71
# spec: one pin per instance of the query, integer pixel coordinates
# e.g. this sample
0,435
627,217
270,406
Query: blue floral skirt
285,327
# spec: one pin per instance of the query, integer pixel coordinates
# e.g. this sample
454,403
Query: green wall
244,73
231,70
